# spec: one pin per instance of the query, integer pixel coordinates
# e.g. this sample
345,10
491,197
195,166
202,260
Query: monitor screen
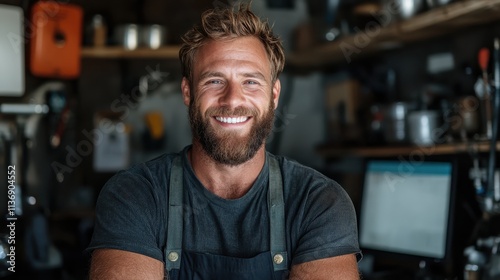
11,51
405,207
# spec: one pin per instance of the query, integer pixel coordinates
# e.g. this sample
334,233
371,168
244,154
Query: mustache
225,111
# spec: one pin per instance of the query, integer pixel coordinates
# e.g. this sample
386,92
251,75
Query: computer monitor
11,51
406,209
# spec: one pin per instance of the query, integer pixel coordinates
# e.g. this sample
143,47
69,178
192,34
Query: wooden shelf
433,23
386,151
167,52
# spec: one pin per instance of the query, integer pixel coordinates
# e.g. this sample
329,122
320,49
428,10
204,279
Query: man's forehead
243,52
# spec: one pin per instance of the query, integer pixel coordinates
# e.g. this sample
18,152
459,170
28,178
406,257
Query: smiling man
225,208
231,98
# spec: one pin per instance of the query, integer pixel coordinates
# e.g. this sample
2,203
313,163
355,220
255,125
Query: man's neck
228,182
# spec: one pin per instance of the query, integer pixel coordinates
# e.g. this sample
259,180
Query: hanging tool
493,188
56,138
483,58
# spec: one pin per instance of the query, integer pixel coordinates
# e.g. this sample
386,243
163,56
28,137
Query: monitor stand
366,267
425,273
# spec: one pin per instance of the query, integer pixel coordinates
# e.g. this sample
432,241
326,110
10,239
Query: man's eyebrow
210,74
256,75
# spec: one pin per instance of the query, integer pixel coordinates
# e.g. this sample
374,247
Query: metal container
394,123
465,117
127,35
437,3
98,31
472,272
423,127
153,36
405,9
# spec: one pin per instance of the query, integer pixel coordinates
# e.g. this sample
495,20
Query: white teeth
231,120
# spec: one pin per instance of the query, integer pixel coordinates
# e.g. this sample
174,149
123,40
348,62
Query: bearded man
224,207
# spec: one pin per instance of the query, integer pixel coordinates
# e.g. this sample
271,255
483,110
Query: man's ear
186,91
276,92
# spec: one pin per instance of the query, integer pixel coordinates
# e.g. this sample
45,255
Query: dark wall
409,63
101,82
104,81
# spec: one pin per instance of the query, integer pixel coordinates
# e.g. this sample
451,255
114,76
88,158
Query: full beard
228,147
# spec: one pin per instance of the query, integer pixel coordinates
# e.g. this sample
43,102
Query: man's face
231,99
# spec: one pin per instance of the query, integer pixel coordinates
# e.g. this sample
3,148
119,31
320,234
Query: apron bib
184,265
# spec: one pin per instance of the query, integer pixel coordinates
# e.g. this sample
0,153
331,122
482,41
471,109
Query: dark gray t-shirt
131,214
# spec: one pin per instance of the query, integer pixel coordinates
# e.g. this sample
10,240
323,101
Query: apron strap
276,208
175,215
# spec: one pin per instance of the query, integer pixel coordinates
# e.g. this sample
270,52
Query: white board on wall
11,51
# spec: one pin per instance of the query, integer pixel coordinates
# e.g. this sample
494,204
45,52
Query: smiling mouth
232,120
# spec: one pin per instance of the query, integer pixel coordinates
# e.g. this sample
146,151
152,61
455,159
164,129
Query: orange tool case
56,39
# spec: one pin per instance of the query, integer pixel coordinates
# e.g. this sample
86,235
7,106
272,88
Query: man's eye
216,82
250,82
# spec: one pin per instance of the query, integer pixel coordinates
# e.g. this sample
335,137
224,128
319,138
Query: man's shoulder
153,171
155,165
300,180
291,168
160,162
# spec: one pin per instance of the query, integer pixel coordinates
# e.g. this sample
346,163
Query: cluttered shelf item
329,151
118,52
380,33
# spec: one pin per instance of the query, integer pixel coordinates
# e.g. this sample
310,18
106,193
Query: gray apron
185,265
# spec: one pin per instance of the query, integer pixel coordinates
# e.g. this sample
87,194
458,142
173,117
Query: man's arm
111,264
335,268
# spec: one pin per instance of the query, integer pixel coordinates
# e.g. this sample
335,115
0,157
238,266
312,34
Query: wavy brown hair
228,23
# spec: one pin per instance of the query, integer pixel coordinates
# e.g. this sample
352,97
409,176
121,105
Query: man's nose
233,96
